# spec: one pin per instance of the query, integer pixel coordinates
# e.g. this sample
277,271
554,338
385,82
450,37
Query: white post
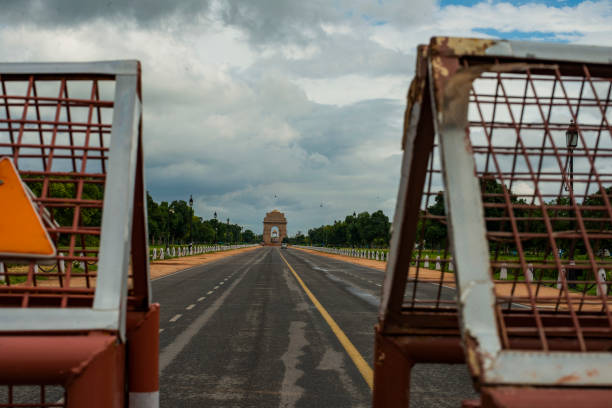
438,266
451,267
62,264
161,254
82,263
2,272
426,263
560,279
35,269
530,272
154,254
503,273
602,287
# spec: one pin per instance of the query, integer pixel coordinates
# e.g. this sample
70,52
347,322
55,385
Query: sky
254,105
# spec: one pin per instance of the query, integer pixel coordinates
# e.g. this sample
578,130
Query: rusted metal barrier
512,141
77,327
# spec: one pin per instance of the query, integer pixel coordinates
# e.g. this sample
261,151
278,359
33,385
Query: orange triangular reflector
22,232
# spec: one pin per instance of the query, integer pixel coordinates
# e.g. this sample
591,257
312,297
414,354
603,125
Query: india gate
274,228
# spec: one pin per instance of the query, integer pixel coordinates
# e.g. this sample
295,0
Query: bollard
426,263
62,264
602,286
503,273
530,272
560,279
438,267
450,264
2,272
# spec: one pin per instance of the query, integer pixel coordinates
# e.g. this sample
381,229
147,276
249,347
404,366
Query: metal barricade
418,313
73,133
525,161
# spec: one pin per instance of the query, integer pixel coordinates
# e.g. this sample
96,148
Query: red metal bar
143,351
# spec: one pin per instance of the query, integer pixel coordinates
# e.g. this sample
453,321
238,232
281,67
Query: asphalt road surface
243,332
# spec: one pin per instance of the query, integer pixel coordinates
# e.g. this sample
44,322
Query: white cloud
303,100
349,89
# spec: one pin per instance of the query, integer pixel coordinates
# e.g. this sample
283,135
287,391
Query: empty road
249,331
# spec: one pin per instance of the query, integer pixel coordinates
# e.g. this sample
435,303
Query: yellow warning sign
22,232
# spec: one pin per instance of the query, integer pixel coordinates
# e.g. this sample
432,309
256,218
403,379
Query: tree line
357,230
432,227
169,223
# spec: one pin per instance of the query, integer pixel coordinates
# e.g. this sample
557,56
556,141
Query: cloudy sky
251,105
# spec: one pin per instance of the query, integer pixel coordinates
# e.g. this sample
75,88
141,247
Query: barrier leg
391,375
143,358
101,383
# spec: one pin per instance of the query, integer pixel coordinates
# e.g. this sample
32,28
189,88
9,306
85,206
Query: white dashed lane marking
191,306
209,292
201,299
176,317
161,330
216,287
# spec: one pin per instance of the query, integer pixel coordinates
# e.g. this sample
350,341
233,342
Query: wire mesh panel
525,144
419,288
542,148
503,221
57,133
72,132
71,152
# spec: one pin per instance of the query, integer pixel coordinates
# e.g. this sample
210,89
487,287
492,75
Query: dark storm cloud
74,12
336,131
279,21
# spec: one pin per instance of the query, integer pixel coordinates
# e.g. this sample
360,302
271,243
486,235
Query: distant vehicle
284,245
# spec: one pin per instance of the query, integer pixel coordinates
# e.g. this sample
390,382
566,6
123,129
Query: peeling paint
461,46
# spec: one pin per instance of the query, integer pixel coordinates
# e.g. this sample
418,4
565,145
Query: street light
571,140
190,218
216,228
170,211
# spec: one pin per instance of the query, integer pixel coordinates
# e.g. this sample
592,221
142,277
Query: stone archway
276,219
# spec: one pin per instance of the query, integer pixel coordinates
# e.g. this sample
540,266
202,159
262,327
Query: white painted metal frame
476,298
109,307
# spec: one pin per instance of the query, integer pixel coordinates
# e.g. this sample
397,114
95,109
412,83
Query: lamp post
216,227
227,231
170,211
571,140
190,218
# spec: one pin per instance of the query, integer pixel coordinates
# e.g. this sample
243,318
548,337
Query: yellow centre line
363,367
